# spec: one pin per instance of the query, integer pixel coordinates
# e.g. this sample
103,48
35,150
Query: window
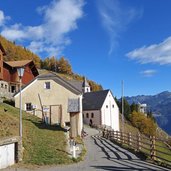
47,85
5,86
28,106
113,106
106,106
0,69
92,115
87,115
83,115
2,85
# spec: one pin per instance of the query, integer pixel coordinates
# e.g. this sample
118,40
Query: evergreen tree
127,110
134,107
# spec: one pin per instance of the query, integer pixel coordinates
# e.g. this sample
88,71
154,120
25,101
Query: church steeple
85,86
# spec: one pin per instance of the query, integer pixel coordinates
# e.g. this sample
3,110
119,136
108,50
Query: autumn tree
144,124
64,66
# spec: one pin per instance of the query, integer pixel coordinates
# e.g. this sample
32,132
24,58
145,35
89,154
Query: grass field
43,145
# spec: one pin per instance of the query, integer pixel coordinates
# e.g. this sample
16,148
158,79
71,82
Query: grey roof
85,83
57,79
94,100
76,84
60,81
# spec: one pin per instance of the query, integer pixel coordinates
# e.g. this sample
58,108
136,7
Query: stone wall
4,91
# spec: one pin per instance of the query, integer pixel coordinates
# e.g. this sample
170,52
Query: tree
127,110
145,125
64,66
134,107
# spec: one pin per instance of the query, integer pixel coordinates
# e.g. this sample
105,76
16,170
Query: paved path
104,155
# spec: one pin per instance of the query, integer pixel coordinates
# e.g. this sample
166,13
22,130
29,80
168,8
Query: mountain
160,105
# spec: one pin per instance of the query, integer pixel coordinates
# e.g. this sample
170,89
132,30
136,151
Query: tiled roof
60,81
94,100
76,84
18,63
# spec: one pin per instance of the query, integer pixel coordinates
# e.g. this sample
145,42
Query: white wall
7,155
110,112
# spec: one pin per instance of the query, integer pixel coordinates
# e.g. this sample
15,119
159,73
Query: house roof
2,49
76,84
94,100
60,81
57,79
16,64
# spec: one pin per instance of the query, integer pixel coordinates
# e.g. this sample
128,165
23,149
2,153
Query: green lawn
43,145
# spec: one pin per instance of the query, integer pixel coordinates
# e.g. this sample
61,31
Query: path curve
105,155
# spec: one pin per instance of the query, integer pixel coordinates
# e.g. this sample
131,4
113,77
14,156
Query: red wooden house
9,79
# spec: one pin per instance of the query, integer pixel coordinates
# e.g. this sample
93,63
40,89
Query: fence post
103,133
112,135
107,134
117,136
121,137
129,139
138,142
153,148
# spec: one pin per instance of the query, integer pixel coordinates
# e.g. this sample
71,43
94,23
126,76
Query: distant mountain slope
160,104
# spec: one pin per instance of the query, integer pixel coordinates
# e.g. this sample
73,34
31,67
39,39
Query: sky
105,40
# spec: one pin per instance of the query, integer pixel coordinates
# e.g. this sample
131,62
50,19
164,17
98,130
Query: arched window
92,115
87,115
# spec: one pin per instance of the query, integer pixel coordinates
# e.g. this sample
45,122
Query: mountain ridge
159,104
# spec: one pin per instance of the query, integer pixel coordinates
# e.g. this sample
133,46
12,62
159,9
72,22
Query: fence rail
154,148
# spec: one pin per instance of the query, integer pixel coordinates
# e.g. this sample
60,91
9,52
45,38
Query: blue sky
105,40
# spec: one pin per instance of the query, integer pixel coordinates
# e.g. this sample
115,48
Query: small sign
45,109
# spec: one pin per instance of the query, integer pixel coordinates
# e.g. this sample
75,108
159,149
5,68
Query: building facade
9,79
100,109
48,96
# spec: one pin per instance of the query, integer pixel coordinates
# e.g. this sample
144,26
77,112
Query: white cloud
156,53
116,18
148,73
59,18
3,18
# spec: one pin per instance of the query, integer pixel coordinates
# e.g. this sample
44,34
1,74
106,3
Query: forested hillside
15,52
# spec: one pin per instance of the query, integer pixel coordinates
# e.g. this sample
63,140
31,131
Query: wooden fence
154,148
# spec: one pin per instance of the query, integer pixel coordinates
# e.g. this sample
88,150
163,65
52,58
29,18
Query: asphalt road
104,155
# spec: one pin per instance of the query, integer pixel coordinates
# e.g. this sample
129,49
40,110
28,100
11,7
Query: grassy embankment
160,146
43,145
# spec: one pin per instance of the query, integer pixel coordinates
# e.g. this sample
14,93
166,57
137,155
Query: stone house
48,96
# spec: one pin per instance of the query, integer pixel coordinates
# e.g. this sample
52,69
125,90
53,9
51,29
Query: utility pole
122,106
